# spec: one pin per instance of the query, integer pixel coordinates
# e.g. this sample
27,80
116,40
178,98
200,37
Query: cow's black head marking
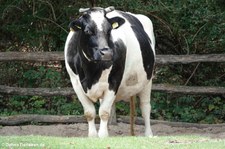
95,29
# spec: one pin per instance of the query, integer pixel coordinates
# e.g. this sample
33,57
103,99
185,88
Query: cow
110,56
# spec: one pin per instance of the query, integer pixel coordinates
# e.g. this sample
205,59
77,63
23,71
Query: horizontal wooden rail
193,90
31,56
185,59
36,91
59,56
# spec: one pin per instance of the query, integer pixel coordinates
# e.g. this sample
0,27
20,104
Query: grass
167,142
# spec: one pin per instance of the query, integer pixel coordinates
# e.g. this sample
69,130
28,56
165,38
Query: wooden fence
160,59
58,56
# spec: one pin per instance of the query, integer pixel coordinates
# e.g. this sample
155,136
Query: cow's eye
87,31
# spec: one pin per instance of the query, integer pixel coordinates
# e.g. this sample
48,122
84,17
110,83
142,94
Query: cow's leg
89,110
90,114
104,112
145,106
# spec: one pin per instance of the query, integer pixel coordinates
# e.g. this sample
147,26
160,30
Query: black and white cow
110,55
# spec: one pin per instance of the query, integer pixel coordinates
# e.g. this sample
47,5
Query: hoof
93,134
102,134
149,134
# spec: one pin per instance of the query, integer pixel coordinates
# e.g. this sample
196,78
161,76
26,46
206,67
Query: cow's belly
131,85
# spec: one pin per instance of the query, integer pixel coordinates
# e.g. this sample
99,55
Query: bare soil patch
121,129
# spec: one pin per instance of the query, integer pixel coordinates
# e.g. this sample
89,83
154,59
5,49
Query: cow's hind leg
145,106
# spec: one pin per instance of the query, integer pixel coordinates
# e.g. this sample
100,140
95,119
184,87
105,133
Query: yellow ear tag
115,25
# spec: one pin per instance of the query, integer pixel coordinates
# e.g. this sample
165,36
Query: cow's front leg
104,112
89,112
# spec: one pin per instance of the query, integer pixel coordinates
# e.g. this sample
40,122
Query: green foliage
37,24
202,109
57,105
42,76
122,108
32,74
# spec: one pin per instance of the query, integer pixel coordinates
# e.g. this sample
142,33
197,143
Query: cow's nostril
106,54
105,51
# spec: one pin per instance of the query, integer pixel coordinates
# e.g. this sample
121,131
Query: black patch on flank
144,41
119,57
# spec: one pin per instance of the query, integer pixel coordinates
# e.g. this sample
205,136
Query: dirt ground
121,129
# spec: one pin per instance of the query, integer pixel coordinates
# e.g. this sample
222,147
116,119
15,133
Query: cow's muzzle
104,54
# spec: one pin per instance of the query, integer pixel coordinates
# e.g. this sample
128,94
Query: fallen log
140,121
35,119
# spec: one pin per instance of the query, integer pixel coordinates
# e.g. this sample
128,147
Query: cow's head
95,28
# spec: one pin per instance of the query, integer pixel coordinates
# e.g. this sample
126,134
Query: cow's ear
75,25
116,22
